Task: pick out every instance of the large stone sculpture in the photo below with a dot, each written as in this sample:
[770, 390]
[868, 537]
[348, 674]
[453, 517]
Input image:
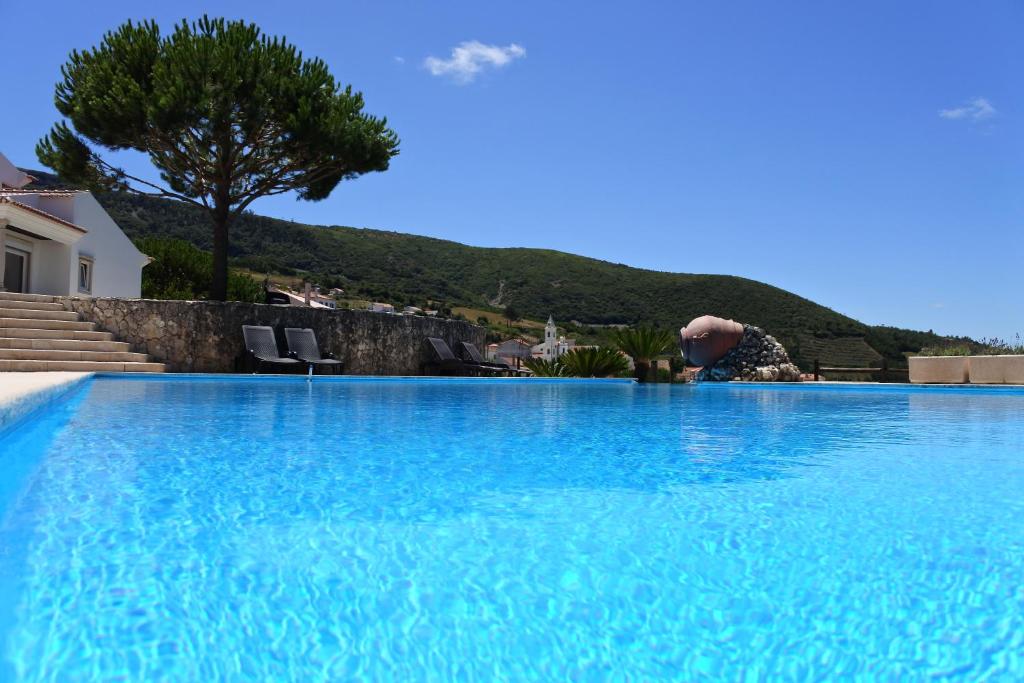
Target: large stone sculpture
[728, 351]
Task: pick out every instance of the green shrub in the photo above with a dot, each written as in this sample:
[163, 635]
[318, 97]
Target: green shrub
[594, 361]
[181, 271]
[947, 350]
[590, 361]
[985, 347]
[545, 368]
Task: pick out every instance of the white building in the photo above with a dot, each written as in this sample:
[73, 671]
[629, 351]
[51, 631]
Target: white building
[62, 242]
[321, 300]
[297, 299]
[553, 346]
[510, 351]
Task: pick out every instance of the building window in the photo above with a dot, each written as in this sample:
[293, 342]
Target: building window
[85, 275]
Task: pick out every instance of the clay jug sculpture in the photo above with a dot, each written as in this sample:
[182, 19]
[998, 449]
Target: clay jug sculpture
[707, 338]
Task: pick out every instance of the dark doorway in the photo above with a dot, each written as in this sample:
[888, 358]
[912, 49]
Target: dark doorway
[15, 269]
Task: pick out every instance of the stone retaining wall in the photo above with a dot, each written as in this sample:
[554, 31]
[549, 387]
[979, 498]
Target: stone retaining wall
[206, 336]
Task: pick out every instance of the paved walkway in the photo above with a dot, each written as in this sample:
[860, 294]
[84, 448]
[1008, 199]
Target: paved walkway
[23, 392]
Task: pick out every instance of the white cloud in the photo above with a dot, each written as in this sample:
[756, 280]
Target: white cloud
[399, 60]
[977, 109]
[468, 59]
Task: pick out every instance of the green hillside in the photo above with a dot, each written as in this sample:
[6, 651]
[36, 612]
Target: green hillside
[409, 269]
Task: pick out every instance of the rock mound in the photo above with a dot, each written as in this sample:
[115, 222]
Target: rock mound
[758, 357]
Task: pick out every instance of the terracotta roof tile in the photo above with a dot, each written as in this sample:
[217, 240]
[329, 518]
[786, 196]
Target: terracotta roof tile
[50, 192]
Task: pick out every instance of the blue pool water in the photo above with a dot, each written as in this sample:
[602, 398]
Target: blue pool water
[175, 530]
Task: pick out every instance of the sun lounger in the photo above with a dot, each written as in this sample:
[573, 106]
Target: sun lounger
[302, 343]
[471, 354]
[444, 361]
[261, 351]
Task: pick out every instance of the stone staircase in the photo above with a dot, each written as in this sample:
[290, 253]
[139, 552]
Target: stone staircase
[36, 334]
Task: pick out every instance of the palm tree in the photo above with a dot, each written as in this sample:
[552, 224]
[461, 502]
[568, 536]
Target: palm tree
[545, 368]
[593, 361]
[643, 344]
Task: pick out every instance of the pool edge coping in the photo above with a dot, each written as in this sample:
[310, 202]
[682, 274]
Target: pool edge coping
[208, 376]
[1007, 389]
[35, 391]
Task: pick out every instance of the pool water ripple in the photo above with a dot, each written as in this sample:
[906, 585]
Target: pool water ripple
[268, 530]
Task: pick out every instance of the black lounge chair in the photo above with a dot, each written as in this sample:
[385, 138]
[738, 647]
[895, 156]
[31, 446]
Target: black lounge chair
[261, 351]
[471, 354]
[444, 361]
[302, 344]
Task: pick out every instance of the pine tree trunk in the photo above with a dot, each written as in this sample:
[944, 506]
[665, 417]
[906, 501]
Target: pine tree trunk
[219, 286]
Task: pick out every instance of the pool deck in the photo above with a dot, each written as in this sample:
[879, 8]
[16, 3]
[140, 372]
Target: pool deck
[23, 392]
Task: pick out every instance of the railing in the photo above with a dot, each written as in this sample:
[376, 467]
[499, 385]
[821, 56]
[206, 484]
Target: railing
[885, 372]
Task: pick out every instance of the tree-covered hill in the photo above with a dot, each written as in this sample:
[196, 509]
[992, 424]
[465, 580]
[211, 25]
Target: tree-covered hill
[401, 268]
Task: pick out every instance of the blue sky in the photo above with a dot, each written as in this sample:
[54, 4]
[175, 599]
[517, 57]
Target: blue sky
[868, 155]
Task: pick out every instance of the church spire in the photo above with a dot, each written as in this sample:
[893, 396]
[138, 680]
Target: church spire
[550, 343]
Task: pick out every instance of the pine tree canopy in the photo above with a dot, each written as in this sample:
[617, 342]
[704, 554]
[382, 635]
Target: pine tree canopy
[225, 113]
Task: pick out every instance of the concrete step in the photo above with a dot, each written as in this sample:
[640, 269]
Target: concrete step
[37, 334]
[15, 296]
[25, 314]
[77, 366]
[34, 333]
[41, 354]
[38, 324]
[30, 305]
[63, 344]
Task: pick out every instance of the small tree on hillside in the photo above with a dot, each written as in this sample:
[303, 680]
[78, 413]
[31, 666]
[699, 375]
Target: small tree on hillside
[511, 314]
[225, 113]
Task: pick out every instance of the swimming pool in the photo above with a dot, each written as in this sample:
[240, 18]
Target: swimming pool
[274, 529]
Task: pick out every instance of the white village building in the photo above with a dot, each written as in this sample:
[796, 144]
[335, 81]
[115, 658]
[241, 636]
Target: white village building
[62, 242]
[511, 352]
[553, 346]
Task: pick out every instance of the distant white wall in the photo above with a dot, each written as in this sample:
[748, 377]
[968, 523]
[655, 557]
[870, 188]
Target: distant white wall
[117, 264]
